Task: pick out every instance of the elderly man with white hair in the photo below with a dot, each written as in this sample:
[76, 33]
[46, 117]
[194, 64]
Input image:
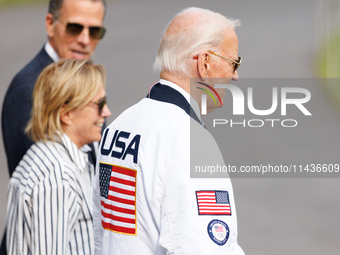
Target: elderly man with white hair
[144, 199]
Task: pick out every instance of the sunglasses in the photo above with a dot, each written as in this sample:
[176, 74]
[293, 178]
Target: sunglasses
[236, 64]
[75, 29]
[101, 103]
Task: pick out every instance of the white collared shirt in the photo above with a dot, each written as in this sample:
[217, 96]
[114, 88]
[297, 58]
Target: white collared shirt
[49, 208]
[51, 52]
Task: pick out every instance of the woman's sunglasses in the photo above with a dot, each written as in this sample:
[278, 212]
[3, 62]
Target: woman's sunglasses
[101, 103]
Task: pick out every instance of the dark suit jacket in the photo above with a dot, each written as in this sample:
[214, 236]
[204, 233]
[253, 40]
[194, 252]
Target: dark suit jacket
[16, 109]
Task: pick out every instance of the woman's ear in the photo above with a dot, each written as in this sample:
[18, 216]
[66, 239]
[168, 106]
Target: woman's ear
[203, 63]
[65, 116]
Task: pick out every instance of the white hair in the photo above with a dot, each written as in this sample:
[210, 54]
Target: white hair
[192, 30]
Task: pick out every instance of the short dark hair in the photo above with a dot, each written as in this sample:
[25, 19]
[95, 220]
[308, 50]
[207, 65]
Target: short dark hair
[55, 6]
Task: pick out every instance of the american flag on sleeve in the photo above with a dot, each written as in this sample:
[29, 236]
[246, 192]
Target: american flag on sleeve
[118, 198]
[211, 202]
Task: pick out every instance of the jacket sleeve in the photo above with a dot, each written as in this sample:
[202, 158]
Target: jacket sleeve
[14, 244]
[186, 228]
[16, 113]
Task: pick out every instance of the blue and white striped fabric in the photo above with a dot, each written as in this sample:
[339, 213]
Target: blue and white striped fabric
[49, 208]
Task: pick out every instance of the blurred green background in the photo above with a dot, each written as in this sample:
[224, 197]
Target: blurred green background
[328, 59]
[328, 66]
[327, 34]
[11, 3]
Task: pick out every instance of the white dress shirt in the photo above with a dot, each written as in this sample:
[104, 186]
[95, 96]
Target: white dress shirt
[49, 208]
[51, 52]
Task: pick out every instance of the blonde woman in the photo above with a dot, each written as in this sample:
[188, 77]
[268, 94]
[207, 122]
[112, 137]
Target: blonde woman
[49, 208]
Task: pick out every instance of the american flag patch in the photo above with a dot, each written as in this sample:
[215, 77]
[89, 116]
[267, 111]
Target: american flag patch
[211, 202]
[118, 198]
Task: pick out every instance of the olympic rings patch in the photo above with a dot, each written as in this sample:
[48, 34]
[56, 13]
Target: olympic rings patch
[218, 232]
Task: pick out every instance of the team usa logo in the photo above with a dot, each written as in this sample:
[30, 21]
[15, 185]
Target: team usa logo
[218, 232]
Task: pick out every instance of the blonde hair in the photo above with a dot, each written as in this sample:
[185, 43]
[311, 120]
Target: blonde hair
[62, 87]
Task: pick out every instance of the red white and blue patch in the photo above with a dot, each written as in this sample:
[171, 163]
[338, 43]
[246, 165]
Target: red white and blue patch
[218, 232]
[213, 202]
[118, 198]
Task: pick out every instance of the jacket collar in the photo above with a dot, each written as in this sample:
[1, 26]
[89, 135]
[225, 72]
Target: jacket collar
[167, 94]
[79, 157]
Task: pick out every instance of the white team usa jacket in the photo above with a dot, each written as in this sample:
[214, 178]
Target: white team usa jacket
[144, 199]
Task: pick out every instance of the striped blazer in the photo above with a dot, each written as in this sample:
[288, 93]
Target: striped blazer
[49, 208]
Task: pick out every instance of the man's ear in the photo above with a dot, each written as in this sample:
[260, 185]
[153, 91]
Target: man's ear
[203, 63]
[49, 23]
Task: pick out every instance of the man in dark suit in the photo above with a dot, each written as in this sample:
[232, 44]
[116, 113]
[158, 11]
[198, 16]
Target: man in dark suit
[74, 28]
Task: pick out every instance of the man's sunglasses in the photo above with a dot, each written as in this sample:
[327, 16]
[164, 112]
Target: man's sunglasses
[236, 64]
[101, 103]
[75, 29]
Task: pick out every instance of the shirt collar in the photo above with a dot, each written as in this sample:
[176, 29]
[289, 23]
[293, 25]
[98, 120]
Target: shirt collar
[193, 103]
[79, 157]
[51, 52]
